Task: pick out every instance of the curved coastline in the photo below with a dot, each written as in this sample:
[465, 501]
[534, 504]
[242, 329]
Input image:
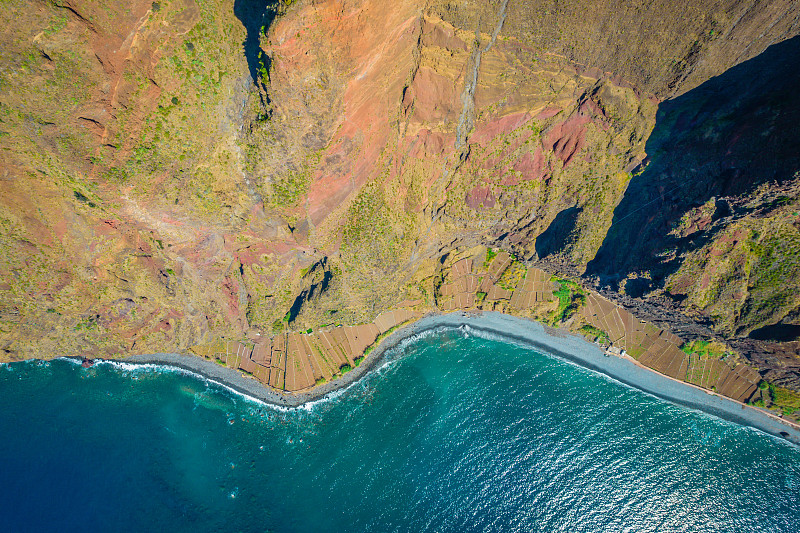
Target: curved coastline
[550, 341]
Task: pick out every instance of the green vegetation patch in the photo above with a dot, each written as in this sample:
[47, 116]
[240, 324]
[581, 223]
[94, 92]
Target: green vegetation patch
[512, 277]
[570, 298]
[287, 190]
[367, 217]
[88, 323]
[594, 332]
[490, 254]
[711, 349]
[374, 233]
[786, 400]
[83, 198]
[381, 337]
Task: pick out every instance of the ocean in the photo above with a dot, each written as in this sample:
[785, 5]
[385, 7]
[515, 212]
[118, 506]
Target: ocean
[453, 433]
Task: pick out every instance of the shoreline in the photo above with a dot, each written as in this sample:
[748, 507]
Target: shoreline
[550, 341]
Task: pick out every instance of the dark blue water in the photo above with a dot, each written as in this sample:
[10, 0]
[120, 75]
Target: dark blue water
[458, 434]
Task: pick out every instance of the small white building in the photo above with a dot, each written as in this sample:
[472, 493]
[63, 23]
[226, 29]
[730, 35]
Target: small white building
[613, 350]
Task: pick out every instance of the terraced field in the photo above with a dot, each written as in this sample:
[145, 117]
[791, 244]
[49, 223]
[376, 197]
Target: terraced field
[660, 350]
[298, 361]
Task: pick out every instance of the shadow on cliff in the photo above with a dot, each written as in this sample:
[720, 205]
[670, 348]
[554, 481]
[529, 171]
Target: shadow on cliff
[557, 236]
[723, 138]
[256, 16]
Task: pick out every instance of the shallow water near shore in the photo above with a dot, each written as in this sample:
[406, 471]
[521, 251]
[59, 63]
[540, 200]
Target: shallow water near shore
[457, 433]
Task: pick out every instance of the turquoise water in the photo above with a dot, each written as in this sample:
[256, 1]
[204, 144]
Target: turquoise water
[456, 434]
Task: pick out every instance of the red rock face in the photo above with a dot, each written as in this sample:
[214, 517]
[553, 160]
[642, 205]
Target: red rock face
[427, 145]
[433, 97]
[401, 102]
[402, 77]
[530, 166]
[480, 197]
[372, 43]
[486, 132]
[567, 138]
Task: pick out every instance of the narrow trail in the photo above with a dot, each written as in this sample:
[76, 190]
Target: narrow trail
[467, 117]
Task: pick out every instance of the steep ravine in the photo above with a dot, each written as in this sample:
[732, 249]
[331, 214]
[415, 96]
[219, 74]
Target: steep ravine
[466, 119]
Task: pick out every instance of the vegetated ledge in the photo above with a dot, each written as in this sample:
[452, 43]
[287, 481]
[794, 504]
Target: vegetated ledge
[507, 328]
[293, 368]
[482, 279]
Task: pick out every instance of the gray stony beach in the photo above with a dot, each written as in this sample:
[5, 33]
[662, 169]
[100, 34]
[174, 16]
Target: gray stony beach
[508, 328]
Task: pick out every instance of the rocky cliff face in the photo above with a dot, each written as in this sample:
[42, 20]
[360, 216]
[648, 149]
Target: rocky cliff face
[181, 170]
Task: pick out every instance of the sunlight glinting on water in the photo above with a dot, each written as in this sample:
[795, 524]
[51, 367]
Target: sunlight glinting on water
[453, 432]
